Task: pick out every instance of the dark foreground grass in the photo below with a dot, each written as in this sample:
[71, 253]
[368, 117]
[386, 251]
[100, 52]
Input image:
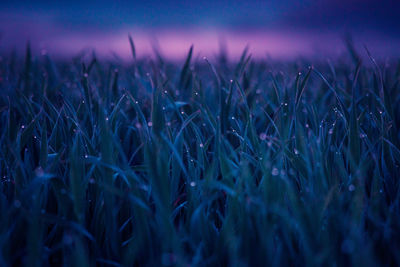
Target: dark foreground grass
[205, 163]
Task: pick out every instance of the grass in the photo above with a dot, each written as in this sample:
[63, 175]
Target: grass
[205, 163]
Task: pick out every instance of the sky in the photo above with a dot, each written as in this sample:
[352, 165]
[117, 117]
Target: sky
[285, 28]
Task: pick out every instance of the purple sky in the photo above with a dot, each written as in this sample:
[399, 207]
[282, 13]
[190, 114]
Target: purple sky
[280, 29]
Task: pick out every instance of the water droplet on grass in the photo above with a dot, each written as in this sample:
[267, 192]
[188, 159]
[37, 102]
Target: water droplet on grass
[275, 171]
[39, 172]
[17, 204]
[67, 239]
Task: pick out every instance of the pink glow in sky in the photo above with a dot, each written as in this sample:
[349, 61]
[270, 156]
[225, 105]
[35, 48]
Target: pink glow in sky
[277, 28]
[174, 43]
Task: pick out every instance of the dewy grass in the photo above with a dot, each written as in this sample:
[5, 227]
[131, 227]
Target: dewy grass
[207, 163]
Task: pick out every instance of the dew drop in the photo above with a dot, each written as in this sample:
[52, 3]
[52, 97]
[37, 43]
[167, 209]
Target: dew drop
[352, 188]
[17, 204]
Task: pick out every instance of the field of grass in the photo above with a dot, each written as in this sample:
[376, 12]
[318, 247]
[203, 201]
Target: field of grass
[200, 163]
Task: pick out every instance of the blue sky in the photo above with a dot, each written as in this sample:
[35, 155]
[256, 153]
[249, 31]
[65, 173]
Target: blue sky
[318, 14]
[39, 20]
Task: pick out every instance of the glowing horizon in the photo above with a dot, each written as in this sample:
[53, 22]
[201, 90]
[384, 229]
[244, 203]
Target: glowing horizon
[175, 43]
[280, 29]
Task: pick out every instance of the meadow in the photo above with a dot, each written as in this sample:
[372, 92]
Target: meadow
[205, 162]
